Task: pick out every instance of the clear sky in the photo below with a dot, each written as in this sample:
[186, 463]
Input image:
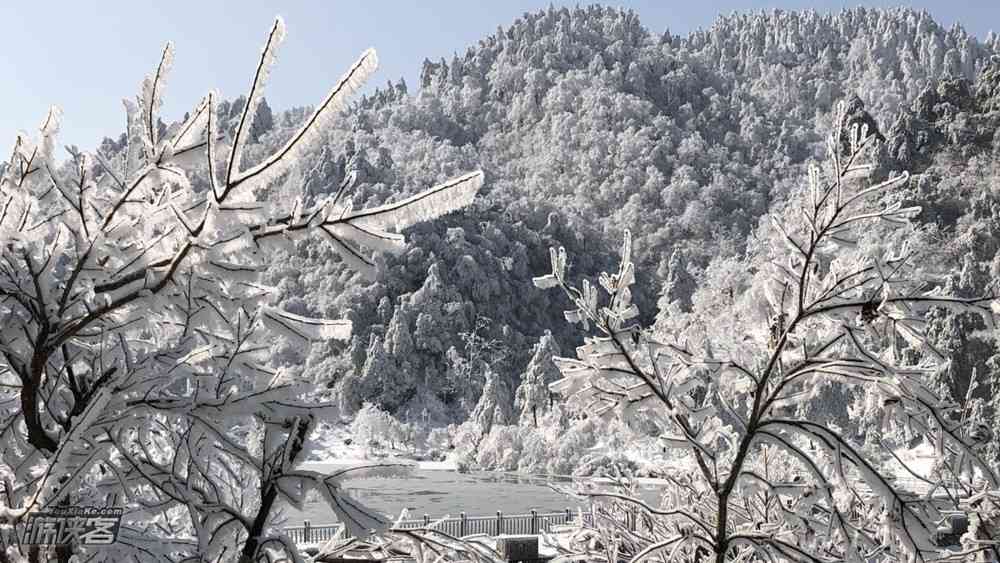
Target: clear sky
[86, 55]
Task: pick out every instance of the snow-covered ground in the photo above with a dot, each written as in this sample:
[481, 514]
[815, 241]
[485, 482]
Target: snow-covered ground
[335, 446]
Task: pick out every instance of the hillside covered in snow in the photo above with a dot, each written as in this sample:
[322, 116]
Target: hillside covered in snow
[586, 123]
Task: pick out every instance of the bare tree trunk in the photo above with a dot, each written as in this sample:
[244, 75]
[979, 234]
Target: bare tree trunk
[269, 493]
[259, 522]
[37, 436]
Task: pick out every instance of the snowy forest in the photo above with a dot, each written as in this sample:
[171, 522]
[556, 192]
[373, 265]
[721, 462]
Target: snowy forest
[587, 124]
[582, 247]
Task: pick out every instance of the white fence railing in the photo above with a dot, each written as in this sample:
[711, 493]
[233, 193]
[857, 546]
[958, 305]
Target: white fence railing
[531, 523]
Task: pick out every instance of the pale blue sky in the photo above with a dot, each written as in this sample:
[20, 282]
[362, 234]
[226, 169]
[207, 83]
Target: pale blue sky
[86, 55]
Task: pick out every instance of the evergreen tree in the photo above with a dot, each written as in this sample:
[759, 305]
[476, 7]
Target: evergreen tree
[495, 404]
[533, 394]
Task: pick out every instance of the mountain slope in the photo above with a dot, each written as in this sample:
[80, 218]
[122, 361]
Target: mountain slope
[586, 123]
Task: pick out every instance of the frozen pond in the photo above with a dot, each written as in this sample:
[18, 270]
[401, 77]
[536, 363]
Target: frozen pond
[440, 493]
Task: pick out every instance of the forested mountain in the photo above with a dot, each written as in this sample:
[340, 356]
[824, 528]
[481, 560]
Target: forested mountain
[587, 123]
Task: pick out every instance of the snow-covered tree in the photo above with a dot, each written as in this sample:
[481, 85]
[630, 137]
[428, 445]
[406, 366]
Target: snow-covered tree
[533, 393]
[835, 294]
[357, 387]
[134, 329]
[469, 371]
[372, 424]
[494, 406]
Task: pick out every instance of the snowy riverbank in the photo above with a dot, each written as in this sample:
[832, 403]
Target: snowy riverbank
[347, 462]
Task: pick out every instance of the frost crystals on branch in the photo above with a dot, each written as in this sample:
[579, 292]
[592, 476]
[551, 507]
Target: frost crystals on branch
[831, 286]
[134, 329]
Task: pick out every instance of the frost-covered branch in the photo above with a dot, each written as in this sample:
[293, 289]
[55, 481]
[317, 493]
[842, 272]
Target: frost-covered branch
[834, 300]
[130, 296]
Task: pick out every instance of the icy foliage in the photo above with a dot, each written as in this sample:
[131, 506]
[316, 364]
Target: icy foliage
[835, 280]
[135, 328]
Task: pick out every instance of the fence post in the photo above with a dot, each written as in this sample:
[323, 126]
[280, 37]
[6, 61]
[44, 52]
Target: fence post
[569, 516]
[427, 520]
[305, 532]
[534, 522]
[461, 525]
[499, 522]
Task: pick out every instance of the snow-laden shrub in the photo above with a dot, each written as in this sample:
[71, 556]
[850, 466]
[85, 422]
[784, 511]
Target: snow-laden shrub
[613, 464]
[439, 439]
[572, 445]
[500, 450]
[377, 428]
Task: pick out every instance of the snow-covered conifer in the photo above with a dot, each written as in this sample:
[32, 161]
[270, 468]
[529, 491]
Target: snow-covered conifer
[533, 395]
